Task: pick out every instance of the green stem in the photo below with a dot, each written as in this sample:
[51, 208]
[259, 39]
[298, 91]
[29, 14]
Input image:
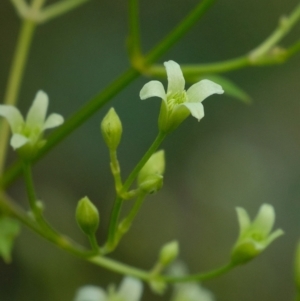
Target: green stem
[200, 276]
[94, 243]
[115, 170]
[285, 25]
[110, 245]
[127, 221]
[30, 190]
[58, 9]
[14, 81]
[134, 30]
[36, 5]
[179, 31]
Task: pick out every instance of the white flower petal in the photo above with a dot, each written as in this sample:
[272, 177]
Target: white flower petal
[131, 289]
[53, 121]
[37, 112]
[153, 89]
[201, 90]
[13, 117]
[90, 293]
[264, 220]
[273, 236]
[18, 140]
[244, 219]
[196, 109]
[176, 80]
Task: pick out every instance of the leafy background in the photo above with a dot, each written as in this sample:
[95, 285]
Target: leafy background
[238, 155]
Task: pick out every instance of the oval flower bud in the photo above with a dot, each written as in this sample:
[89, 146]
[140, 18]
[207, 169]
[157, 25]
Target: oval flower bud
[87, 216]
[154, 166]
[168, 253]
[111, 128]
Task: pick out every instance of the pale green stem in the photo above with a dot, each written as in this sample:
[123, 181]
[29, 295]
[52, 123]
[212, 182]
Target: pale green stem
[115, 170]
[285, 25]
[94, 243]
[134, 30]
[36, 5]
[58, 9]
[126, 223]
[14, 81]
[110, 244]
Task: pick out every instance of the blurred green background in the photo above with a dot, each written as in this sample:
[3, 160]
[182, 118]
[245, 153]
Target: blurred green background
[238, 155]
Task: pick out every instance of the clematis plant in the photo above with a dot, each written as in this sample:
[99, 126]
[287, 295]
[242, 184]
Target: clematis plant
[130, 290]
[178, 103]
[254, 236]
[27, 135]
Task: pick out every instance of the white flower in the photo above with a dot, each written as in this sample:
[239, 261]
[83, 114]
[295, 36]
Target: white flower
[30, 132]
[130, 290]
[254, 236]
[177, 103]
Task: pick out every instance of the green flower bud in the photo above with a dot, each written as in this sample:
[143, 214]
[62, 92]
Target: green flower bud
[111, 128]
[154, 166]
[87, 216]
[168, 253]
[152, 184]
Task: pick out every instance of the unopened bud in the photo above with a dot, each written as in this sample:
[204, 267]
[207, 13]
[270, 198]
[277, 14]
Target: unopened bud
[168, 253]
[154, 166]
[87, 216]
[152, 184]
[111, 128]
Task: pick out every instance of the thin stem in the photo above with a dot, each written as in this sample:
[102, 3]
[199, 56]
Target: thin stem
[118, 202]
[14, 81]
[179, 31]
[58, 9]
[37, 4]
[94, 243]
[125, 225]
[30, 190]
[285, 25]
[134, 29]
[200, 276]
[115, 170]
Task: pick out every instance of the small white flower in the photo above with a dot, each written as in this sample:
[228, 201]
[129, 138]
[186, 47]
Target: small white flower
[177, 103]
[30, 132]
[130, 289]
[254, 236]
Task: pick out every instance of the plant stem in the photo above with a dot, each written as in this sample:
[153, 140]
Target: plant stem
[30, 189]
[94, 243]
[285, 25]
[14, 81]
[201, 276]
[127, 221]
[115, 170]
[58, 9]
[111, 243]
[134, 30]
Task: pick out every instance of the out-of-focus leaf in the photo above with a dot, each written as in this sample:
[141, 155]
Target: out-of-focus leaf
[229, 87]
[9, 229]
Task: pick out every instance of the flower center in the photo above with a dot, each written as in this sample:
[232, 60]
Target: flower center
[176, 98]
